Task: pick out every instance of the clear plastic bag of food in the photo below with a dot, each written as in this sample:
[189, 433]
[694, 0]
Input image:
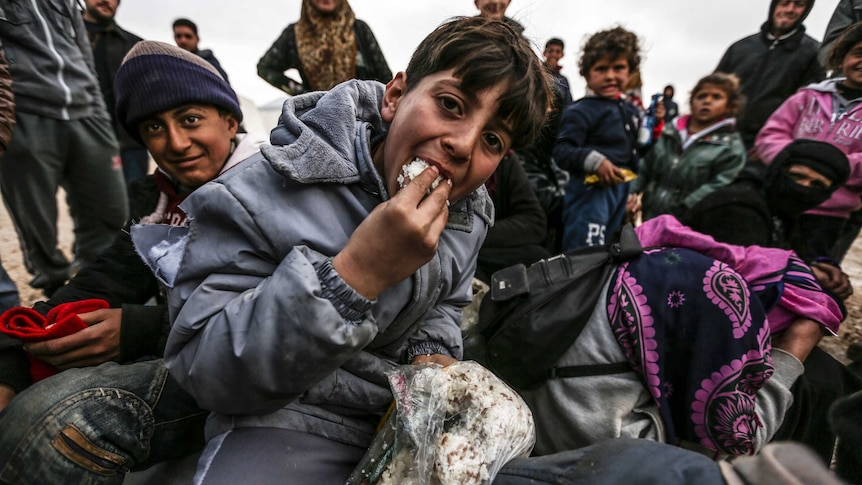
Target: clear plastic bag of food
[455, 425]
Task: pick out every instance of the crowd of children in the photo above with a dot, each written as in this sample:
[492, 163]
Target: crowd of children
[290, 277]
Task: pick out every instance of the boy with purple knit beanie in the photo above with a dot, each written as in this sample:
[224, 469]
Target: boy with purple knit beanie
[113, 407]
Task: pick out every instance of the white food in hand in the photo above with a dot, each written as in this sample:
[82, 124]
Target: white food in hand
[412, 170]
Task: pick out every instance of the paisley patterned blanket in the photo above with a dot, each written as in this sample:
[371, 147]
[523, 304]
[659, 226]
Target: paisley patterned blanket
[693, 329]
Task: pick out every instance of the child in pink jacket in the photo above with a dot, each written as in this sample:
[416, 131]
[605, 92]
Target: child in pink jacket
[829, 111]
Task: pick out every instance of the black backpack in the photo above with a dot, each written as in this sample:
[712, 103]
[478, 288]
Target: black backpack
[533, 315]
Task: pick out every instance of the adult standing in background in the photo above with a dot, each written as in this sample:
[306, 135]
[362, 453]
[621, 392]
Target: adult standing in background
[554, 51]
[63, 136]
[328, 46]
[846, 13]
[110, 44]
[772, 64]
[186, 37]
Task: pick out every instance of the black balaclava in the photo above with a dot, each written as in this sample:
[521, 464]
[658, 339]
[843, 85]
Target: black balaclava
[786, 198]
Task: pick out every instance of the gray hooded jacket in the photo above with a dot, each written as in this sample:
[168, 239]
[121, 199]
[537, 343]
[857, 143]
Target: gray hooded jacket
[265, 332]
[50, 59]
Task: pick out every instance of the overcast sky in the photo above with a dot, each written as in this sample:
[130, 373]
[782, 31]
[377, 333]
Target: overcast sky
[683, 39]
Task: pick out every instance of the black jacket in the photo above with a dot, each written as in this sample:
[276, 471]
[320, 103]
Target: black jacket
[518, 217]
[736, 214]
[207, 55]
[121, 278]
[110, 46]
[770, 70]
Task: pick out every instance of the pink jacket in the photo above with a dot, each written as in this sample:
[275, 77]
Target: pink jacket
[808, 114]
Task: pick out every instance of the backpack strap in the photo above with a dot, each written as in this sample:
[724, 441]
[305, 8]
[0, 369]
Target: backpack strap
[589, 370]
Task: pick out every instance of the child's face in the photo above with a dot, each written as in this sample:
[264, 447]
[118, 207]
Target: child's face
[607, 77]
[553, 54]
[709, 104]
[190, 143]
[851, 67]
[458, 132]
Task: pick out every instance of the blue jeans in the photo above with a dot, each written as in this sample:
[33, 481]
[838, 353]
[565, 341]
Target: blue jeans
[92, 425]
[629, 461]
[8, 291]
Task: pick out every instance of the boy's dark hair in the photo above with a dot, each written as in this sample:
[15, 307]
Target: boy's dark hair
[614, 43]
[842, 46]
[484, 53]
[728, 83]
[555, 41]
[186, 23]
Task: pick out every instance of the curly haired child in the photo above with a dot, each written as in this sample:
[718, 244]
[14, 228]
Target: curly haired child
[598, 136]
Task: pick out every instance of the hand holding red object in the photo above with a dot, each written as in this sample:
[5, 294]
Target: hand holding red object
[29, 325]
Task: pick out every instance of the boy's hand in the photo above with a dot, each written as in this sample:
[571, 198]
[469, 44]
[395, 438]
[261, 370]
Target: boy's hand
[397, 238]
[94, 345]
[6, 395]
[633, 206]
[609, 173]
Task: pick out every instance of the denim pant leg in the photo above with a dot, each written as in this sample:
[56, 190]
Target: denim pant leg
[8, 291]
[92, 425]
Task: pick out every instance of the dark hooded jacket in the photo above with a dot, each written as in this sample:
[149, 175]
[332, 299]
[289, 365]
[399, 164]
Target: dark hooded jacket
[763, 205]
[770, 69]
[110, 45]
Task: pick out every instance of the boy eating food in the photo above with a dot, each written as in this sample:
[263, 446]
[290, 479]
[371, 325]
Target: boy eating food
[307, 272]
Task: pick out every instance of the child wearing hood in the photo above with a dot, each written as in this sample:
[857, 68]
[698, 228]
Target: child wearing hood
[311, 269]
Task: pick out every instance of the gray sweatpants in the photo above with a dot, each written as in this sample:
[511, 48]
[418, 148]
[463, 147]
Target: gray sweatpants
[272, 456]
[82, 157]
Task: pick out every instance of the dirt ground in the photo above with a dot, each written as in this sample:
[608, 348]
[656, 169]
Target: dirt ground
[10, 252]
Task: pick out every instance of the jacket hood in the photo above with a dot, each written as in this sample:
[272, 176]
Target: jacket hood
[314, 127]
[767, 27]
[825, 86]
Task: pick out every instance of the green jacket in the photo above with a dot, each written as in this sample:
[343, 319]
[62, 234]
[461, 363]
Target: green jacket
[676, 174]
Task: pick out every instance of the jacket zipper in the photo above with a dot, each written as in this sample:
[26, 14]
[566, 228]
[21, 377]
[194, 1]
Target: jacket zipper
[61, 63]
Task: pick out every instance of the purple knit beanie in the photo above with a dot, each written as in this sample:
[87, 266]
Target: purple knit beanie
[156, 76]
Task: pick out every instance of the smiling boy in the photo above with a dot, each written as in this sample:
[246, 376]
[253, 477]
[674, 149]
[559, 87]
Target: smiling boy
[308, 272]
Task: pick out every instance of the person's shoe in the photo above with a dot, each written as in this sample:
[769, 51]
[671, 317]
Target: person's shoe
[49, 284]
[52, 288]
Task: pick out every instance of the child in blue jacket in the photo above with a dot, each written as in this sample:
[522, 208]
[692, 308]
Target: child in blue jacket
[598, 136]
